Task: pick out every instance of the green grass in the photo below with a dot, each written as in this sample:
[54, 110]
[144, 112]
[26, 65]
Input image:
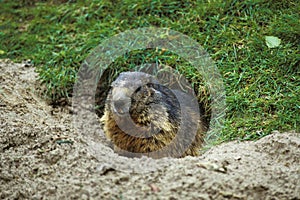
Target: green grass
[262, 84]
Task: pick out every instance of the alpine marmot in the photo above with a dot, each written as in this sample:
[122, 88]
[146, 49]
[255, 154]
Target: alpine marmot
[143, 117]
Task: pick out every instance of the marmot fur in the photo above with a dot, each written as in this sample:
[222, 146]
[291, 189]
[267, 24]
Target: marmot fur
[143, 117]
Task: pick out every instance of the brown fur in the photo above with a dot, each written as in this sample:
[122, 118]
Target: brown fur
[152, 115]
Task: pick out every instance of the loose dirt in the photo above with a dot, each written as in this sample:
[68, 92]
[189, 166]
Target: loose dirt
[44, 157]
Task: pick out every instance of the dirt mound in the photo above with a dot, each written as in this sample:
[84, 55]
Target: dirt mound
[44, 157]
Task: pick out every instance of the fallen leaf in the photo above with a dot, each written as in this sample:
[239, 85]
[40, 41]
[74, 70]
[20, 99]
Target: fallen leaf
[272, 41]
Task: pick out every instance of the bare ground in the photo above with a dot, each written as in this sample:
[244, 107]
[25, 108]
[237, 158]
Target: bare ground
[44, 157]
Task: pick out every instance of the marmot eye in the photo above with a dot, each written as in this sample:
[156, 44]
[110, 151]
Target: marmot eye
[142, 92]
[145, 92]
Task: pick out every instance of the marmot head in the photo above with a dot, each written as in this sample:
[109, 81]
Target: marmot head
[124, 88]
[140, 96]
[144, 116]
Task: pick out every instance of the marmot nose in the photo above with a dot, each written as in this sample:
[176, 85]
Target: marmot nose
[121, 106]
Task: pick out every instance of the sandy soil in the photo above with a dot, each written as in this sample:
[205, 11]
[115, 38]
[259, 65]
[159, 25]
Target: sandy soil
[44, 157]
